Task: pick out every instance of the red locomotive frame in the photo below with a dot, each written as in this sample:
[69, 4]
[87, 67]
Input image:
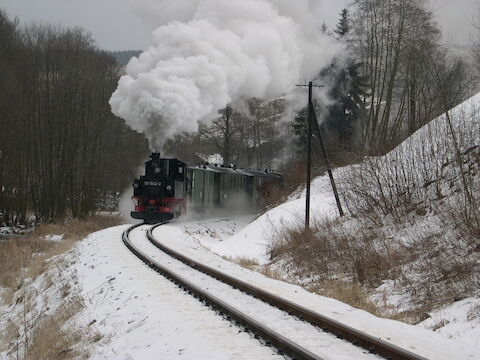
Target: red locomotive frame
[160, 205]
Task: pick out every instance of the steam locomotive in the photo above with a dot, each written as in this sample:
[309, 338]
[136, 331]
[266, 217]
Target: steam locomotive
[169, 184]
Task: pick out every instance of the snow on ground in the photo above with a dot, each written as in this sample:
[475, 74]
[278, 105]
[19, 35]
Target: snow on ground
[147, 316]
[325, 345]
[54, 238]
[144, 316]
[460, 320]
[215, 231]
[253, 241]
[419, 340]
[5, 230]
[141, 315]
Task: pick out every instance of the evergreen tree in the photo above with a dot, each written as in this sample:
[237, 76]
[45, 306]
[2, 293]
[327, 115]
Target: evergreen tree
[300, 130]
[343, 26]
[346, 89]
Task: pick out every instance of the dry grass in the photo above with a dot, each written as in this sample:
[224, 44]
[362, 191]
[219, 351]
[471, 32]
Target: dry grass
[252, 264]
[333, 249]
[348, 259]
[267, 271]
[349, 293]
[329, 252]
[54, 338]
[447, 264]
[245, 262]
[31, 252]
[45, 333]
[6, 296]
[359, 297]
[39, 328]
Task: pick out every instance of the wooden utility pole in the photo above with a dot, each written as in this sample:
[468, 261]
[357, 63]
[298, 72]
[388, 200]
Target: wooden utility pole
[312, 118]
[309, 157]
[327, 160]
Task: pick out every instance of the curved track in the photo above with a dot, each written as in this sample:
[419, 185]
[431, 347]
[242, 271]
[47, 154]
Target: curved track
[271, 337]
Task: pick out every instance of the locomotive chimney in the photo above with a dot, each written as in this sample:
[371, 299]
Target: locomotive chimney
[155, 156]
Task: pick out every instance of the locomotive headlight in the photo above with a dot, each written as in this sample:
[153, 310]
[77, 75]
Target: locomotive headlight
[157, 170]
[135, 185]
[169, 187]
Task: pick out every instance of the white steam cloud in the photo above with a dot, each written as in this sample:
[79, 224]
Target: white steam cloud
[209, 53]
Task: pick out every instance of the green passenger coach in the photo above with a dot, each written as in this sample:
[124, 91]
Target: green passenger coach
[213, 186]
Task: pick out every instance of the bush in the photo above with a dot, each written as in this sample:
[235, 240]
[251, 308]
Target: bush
[333, 250]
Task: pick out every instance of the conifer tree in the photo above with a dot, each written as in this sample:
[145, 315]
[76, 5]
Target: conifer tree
[300, 130]
[346, 90]
[343, 26]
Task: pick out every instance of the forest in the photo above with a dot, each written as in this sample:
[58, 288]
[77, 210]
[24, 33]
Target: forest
[63, 153]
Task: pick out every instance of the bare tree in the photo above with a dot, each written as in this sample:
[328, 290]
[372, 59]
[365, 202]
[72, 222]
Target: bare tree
[248, 135]
[264, 140]
[393, 41]
[222, 134]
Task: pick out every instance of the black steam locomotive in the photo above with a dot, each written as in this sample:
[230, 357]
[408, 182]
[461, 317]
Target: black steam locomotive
[162, 193]
[159, 195]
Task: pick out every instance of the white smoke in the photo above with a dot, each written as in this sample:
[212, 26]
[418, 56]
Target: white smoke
[209, 53]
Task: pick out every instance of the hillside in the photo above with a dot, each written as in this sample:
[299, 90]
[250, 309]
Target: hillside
[409, 247]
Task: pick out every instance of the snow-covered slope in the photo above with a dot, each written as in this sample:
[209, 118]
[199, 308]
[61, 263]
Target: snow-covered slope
[254, 240]
[425, 169]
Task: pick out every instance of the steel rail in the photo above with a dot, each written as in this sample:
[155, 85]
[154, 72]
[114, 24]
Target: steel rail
[271, 337]
[372, 344]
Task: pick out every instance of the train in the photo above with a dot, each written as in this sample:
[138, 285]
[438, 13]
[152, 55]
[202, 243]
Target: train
[170, 187]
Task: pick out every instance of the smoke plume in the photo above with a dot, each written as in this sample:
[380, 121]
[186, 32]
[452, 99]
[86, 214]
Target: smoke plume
[209, 53]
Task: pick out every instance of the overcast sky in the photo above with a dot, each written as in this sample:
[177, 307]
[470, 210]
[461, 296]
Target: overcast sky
[116, 27]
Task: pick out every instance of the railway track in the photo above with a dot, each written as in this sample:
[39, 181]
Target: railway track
[270, 337]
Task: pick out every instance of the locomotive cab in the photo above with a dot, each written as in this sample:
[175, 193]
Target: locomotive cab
[159, 195]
